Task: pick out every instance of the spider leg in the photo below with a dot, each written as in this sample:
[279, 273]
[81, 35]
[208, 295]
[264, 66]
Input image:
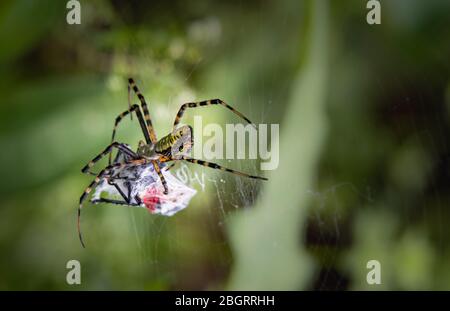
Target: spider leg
[217, 166]
[122, 177]
[124, 196]
[138, 200]
[108, 150]
[93, 184]
[127, 199]
[138, 112]
[148, 121]
[129, 101]
[207, 103]
[161, 176]
[170, 166]
[117, 202]
[96, 181]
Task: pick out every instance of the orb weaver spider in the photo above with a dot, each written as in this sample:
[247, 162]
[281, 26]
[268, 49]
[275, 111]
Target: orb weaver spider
[172, 147]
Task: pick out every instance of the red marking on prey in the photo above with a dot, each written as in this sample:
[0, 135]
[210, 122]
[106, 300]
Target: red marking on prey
[151, 199]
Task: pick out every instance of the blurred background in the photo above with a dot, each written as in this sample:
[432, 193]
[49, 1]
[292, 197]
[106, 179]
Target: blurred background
[364, 165]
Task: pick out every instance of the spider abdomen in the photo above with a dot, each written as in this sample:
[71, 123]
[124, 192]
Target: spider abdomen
[165, 144]
[177, 142]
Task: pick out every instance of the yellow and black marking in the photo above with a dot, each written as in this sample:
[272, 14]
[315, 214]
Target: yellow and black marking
[119, 118]
[161, 176]
[148, 121]
[207, 103]
[218, 167]
[165, 144]
[171, 166]
[136, 109]
[108, 150]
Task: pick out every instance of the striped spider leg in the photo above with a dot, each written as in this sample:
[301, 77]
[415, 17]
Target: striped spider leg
[216, 166]
[210, 102]
[207, 103]
[124, 154]
[105, 173]
[108, 150]
[146, 126]
[148, 121]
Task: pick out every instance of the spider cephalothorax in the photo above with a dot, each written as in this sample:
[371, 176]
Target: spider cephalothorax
[172, 147]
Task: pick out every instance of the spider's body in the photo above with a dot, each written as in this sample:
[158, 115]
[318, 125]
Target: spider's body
[176, 143]
[172, 147]
[168, 147]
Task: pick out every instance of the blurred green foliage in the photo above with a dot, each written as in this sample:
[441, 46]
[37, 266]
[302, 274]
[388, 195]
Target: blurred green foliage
[266, 238]
[364, 118]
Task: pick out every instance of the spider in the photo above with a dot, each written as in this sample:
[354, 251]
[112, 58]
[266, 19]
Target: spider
[172, 147]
